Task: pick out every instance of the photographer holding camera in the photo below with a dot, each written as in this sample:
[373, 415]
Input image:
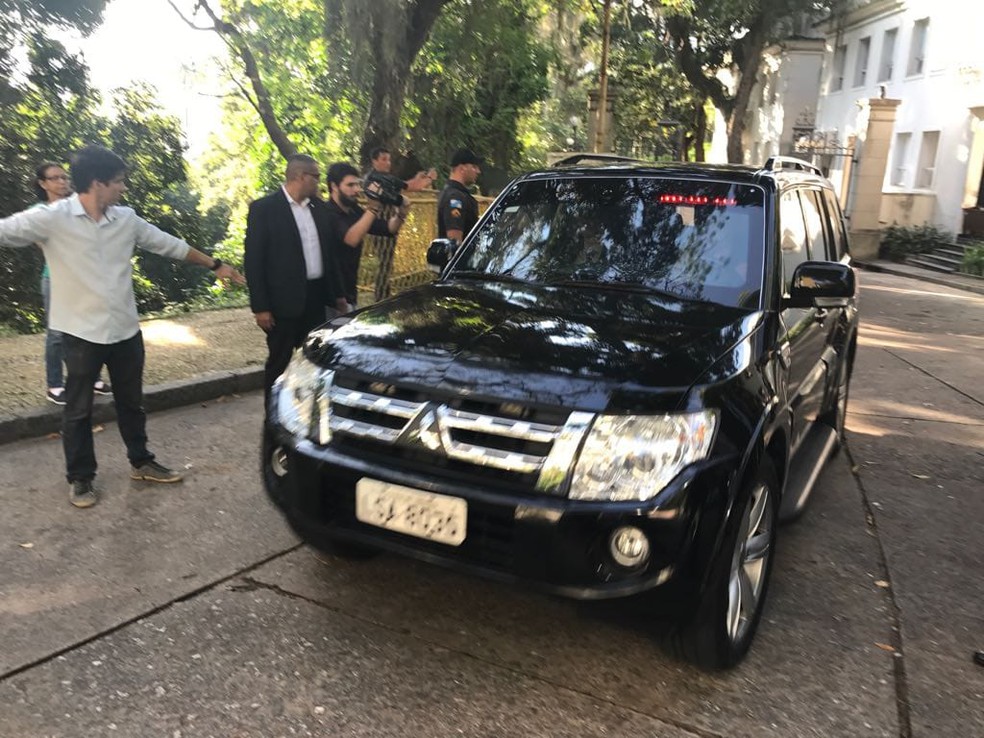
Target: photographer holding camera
[380, 175]
[349, 223]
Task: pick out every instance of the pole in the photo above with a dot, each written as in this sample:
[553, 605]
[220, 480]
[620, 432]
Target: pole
[599, 143]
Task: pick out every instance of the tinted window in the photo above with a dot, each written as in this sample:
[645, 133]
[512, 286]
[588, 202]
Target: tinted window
[696, 240]
[814, 215]
[838, 239]
[793, 236]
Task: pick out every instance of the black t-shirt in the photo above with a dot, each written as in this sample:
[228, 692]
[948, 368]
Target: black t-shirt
[456, 210]
[345, 258]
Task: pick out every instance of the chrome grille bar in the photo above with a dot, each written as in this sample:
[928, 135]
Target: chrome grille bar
[416, 420]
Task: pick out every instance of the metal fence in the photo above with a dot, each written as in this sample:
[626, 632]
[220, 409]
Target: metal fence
[390, 265]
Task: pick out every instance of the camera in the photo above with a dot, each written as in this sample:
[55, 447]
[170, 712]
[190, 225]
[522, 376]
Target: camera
[384, 188]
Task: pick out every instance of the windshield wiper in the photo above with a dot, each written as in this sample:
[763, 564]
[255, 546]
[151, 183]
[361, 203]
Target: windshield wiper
[612, 286]
[487, 277]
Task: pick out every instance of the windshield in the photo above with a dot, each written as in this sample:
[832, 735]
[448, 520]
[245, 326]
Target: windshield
[692, 239]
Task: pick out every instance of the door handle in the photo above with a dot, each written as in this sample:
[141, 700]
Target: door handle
[785, 355]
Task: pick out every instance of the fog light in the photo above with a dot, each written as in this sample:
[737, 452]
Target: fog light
[629, 547]
[278, 461]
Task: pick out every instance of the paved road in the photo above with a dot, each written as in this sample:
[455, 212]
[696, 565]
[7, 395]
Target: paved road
[192, 611]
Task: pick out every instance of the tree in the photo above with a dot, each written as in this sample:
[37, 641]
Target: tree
[397, 29]
[383, 36]
[482, 67]
[713, 35]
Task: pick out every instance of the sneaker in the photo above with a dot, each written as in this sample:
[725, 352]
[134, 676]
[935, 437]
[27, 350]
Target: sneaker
[102, 388]
[56, 395]
[83, 493]
[151, 471]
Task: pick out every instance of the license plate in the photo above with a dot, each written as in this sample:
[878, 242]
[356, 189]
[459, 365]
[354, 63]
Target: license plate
[411, 511]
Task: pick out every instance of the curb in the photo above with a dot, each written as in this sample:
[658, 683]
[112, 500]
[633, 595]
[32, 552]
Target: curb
[44, 420]
[923, 275]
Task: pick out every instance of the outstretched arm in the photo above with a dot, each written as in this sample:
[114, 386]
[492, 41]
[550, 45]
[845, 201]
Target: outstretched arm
[223, 271]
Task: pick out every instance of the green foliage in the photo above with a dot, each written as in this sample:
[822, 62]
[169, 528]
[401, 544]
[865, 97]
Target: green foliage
[482, 67]
[898, 242]
[53, 111]
[973, 259]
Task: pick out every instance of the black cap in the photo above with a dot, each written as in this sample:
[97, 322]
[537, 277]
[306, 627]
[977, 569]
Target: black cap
[465, 156]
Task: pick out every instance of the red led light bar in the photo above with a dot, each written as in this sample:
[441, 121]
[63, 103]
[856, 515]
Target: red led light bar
[696, 200]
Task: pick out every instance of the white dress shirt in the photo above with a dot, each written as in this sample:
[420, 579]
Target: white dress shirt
[309, 234]
[90, 264]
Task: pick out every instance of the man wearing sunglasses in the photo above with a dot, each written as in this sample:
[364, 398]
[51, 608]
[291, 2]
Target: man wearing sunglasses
[288, 267]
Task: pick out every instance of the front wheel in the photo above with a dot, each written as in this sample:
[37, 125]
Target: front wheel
[721, 630]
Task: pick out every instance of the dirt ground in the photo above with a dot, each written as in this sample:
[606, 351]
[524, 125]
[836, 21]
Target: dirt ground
[177, 348]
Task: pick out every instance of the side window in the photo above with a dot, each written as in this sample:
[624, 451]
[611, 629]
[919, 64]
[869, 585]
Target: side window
[793, 236]
[838, 239]
[815, 232]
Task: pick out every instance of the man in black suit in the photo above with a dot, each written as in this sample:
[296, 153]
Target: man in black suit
[288, 266]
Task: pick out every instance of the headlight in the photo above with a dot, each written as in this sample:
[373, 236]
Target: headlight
[299, 386]
[633, 457]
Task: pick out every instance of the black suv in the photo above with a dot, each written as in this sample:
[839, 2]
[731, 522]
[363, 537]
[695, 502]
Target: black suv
[624, 378]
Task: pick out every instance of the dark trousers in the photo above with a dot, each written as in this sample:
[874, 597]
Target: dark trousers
[289, 333]
[84, 360]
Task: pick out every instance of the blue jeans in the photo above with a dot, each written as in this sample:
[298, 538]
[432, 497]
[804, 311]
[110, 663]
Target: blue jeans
[53, 354]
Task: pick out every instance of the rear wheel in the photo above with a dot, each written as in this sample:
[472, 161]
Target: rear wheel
[721, 630]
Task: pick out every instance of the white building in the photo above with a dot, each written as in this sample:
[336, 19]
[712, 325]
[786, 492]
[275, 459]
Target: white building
[784, 101]
[929, 55]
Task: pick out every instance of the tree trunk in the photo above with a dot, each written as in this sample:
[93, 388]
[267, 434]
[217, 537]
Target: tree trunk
[399, 30]
[700, 131]
[752, 47]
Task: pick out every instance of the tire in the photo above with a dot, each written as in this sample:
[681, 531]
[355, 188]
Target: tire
[720, 631]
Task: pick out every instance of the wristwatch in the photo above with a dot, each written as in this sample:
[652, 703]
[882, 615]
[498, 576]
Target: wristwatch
[216, 264]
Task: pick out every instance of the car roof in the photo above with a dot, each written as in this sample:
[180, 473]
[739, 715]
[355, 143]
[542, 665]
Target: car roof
[777, 171]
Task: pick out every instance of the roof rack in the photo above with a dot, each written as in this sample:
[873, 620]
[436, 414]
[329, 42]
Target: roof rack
[778, 163]
[569, 161]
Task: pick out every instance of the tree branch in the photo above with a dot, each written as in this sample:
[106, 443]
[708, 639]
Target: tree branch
[264, 107]
[188, 21]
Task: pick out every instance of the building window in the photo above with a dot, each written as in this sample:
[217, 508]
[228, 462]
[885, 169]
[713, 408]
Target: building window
[887, 64]
[927, 159]
[861, 63]
[900, 154]
[837, 71]
[917, 47]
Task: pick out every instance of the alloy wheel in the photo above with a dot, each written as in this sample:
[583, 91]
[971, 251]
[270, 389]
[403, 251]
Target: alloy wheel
[749, 563]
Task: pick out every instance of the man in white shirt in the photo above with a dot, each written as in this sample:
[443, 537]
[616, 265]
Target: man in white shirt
[88, 242]
[288, 269]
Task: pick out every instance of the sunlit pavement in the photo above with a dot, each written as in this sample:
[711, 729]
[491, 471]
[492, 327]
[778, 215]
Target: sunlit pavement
[190, 610]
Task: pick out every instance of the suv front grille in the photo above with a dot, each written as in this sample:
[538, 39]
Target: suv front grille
[453, 430]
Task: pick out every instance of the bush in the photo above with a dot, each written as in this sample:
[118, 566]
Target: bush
[973, 259]
[898, 242]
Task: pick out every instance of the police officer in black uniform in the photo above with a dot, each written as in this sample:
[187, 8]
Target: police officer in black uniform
[457, 210]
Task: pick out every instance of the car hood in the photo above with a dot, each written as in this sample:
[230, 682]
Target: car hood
[558, 346]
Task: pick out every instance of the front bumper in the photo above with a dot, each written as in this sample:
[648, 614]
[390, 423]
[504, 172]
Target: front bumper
[549, 543]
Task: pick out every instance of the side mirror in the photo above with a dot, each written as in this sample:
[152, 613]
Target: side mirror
[821, 284]
[439, 253]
